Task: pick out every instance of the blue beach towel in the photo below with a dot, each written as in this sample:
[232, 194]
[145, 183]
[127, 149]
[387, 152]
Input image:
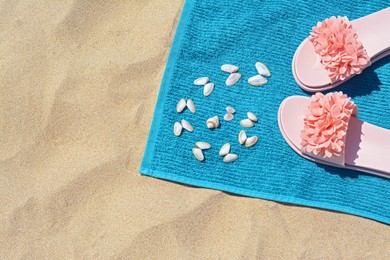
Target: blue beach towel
[214, 32]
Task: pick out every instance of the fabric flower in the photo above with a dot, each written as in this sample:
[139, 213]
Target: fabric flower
[326, 123]
[335, 40]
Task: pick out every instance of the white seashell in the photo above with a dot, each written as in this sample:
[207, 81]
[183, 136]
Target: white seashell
[251, 141]
[233, 78]
[242, 137]
[191, 105]
[201, 81]
[262, 69]
[208, 88]
[198, 154]
[212, 122]
[225, 149]
[228, 117]
[230, 110]
[229, 68]
[252, 116]
[186, 125]
[203, 145]
[257, 80]
[230, 157]
[177, 129]
[181, 105]
[246, 123]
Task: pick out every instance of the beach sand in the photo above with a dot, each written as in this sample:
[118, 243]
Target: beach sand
[79, 81]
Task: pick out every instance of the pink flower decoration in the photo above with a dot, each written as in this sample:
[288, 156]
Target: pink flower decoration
[341, 53]
[326, 123]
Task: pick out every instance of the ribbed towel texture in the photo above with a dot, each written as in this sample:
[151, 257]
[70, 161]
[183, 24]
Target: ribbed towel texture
[214, 32]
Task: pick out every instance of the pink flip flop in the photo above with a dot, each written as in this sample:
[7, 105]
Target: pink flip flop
[338, 49]
[324, 129]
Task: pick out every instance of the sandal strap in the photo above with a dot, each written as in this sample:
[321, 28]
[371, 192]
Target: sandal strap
[342, 54]
[325, 126]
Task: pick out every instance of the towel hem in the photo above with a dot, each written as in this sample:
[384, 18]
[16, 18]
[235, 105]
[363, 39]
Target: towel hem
[262, 195]
[164, 87]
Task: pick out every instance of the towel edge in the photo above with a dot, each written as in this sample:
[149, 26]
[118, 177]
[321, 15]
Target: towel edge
[262, 195]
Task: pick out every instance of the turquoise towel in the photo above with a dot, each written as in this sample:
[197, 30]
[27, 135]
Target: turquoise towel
[211, 33]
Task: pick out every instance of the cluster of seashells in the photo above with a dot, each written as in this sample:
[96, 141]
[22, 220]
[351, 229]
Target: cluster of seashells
[214, 121]
[208, 87]
[250, 121]
[184, 124]
[198, 150]
[234, 74]
[257, 80]
[261, 78]
[244, 140]
[234, 77]
[182, 104]
[230, 114]
[225, 153]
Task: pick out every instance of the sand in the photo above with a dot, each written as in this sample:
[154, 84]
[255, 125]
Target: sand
[79, 81]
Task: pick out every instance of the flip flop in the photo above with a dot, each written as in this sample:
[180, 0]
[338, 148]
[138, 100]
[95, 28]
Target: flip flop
[338, 49]
[324, 129]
